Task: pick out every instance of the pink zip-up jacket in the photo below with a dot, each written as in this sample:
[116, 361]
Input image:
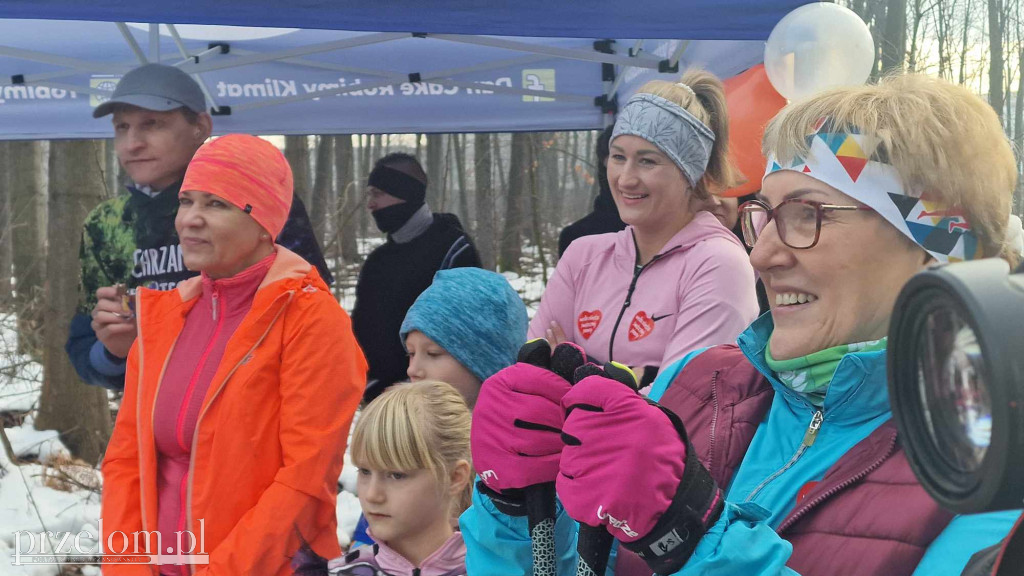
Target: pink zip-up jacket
[448, 560]
[697, 292]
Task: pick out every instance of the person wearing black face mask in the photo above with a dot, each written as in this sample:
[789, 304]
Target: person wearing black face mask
[419, 244]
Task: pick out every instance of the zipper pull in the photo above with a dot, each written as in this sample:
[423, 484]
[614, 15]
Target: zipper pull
[215, 295]
[812, 431]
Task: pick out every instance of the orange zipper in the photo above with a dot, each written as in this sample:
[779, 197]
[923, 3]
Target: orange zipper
[195, 433]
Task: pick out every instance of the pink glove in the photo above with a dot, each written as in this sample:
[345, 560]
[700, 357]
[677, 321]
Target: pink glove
[627, 466]
[517, 422]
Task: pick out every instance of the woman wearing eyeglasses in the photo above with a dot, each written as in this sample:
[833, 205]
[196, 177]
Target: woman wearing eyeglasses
[865, 186]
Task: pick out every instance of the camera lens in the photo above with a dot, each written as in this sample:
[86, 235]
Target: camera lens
[956, 405]
[956, 382]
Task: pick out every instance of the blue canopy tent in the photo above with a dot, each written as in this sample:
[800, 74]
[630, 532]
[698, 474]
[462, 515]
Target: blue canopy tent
[347, 67]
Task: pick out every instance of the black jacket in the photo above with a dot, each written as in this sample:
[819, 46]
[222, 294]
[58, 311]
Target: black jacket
[392, 277]
[604, 219]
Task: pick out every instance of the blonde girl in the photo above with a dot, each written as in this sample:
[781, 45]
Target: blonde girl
[411, 446]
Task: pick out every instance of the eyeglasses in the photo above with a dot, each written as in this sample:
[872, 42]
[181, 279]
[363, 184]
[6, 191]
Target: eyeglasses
[798, 221]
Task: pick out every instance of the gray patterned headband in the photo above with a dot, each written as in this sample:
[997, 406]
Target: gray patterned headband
[680, 135]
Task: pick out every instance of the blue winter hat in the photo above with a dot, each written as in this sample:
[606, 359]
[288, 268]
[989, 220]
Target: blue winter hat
[473, 314]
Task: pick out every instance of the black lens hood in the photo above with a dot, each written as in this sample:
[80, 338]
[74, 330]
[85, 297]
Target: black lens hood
[991, 302]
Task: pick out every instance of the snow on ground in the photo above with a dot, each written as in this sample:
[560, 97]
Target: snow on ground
[31, 498]
[20, 377]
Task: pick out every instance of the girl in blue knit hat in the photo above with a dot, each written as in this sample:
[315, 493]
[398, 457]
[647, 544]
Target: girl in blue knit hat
[466, 326]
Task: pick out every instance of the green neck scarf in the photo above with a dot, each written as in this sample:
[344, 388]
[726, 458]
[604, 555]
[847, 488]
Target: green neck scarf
[810, 375]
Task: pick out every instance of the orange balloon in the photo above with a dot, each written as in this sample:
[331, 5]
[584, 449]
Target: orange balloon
[752, 102]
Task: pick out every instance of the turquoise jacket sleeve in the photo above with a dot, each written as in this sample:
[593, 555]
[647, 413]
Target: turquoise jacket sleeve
[499, 545]
[741, 542]
[667, 375]
[965, 535]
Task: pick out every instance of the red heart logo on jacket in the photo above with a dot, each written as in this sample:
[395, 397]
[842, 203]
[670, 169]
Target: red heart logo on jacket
[641, 326]
[587, 323]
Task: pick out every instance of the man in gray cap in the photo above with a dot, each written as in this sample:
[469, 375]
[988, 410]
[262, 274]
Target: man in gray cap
[160, 120]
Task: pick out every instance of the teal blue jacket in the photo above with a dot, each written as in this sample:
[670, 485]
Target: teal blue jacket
[763, 489]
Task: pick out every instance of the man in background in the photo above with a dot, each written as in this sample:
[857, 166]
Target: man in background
[160, 120]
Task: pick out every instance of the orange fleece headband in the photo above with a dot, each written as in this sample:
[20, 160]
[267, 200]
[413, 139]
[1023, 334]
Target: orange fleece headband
[247, 171]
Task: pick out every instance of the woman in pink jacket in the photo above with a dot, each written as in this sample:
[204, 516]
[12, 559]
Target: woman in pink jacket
[675, 279]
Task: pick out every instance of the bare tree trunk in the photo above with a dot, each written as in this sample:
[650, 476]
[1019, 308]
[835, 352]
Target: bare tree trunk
[943, 26]
[894, 44]
[296, 150]
[364, 174]
[484, 199]
[995, 70]
[112, 170]
[511, 238]
[1018, 123]
[459, 144]
[591, 186]
[550, 188]
[435, 172]
[533, 150]
[875, 17]
[377, 141]
[349, 198]
[27, 243]
[321, 186]
[79, 412]
[574, 173]
[915, 28]
[6, 254]
[964, 48]
[499, 163]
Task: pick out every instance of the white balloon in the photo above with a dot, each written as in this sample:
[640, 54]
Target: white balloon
[818, 46]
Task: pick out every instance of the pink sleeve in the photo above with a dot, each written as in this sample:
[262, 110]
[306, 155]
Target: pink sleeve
[717, 301]
[557, 302]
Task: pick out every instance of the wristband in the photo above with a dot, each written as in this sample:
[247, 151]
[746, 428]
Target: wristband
[696, 506]
[511, 502]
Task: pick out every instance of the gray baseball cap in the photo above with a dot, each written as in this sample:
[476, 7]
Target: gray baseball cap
[155, 87]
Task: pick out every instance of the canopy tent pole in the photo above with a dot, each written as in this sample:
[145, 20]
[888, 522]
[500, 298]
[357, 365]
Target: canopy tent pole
[364, 40]
[674, 60]
[568, 53]
[60, 86]
[154, 42]
[637, 46]
[520, 61]
[184, 54]
[132, 43]
[66, 61]
[218, 48]
[36, 78]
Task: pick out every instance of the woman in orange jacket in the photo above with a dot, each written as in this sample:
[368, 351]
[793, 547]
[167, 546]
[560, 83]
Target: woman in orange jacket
[240, 388]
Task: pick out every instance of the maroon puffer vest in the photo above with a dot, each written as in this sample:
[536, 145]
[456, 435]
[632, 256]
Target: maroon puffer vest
[868, 515]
